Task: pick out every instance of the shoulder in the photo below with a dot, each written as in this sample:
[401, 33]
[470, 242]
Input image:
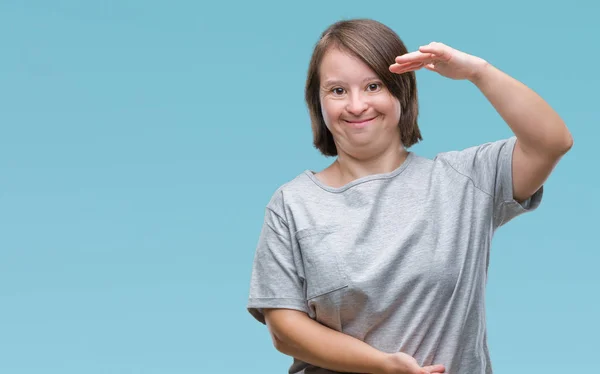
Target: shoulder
[289, 191]
[482, 163]
[488, 151]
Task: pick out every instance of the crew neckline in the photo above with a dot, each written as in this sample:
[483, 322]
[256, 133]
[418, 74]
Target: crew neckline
[367, 178]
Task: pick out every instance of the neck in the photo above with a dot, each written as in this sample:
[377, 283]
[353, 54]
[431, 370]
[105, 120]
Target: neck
[350, 168]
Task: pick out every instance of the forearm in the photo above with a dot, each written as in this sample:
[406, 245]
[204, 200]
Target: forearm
[321, 346]
[536, 125]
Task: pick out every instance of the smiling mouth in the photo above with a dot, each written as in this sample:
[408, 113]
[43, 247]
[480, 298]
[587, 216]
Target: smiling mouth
[361, 123]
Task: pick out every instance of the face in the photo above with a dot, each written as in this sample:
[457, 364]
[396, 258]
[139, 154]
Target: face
[360, 112]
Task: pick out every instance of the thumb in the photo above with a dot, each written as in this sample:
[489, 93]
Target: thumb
[429, 67]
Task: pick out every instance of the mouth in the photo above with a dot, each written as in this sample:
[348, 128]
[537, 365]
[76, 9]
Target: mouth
[360, 123]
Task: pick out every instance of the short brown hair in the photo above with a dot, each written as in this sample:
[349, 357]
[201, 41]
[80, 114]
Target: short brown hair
[377, 46]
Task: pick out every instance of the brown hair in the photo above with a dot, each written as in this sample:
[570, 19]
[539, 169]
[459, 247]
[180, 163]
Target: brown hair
[377, 46]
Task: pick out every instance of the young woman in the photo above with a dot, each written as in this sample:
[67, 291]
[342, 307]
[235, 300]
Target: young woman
[378, 263]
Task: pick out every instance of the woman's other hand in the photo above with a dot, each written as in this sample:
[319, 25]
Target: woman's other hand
[401, 363]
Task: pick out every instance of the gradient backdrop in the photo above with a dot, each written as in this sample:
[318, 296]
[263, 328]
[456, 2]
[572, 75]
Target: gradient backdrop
[141, 140]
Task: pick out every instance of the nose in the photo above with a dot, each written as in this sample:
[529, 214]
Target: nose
[356, 104]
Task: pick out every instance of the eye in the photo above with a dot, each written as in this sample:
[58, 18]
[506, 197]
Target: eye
[374, 87]
[338, 91]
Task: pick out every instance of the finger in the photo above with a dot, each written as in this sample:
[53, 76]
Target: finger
[404, 64]
[435, 368]
[407, 65]
[438, 49]
[413, 57]
[430, 61]
[400, 69]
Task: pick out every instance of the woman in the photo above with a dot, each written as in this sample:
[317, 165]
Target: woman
[378, 263]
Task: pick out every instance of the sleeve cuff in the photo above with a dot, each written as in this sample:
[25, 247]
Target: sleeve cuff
[510, 208]
[256, 305]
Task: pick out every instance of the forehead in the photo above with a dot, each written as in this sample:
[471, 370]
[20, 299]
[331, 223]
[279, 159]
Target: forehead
[341, 65]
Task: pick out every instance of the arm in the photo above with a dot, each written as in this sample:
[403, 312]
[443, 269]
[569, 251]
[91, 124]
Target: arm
[297, 335]
[542, 136]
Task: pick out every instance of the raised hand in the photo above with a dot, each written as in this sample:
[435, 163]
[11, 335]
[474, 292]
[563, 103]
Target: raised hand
[442, 59]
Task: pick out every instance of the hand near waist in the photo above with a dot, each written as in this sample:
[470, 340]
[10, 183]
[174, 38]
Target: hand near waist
[401, 363]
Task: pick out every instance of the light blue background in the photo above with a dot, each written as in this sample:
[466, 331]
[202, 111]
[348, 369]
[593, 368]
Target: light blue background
[140, 142]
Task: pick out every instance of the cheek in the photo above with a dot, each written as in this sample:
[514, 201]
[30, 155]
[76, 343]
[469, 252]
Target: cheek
[392, 108]
[330, 110]
[397, 110]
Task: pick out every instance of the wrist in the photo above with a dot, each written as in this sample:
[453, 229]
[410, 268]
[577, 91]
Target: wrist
[385, 365]
[480, 72]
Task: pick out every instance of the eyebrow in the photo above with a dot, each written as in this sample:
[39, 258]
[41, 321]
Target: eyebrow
[332, 82]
